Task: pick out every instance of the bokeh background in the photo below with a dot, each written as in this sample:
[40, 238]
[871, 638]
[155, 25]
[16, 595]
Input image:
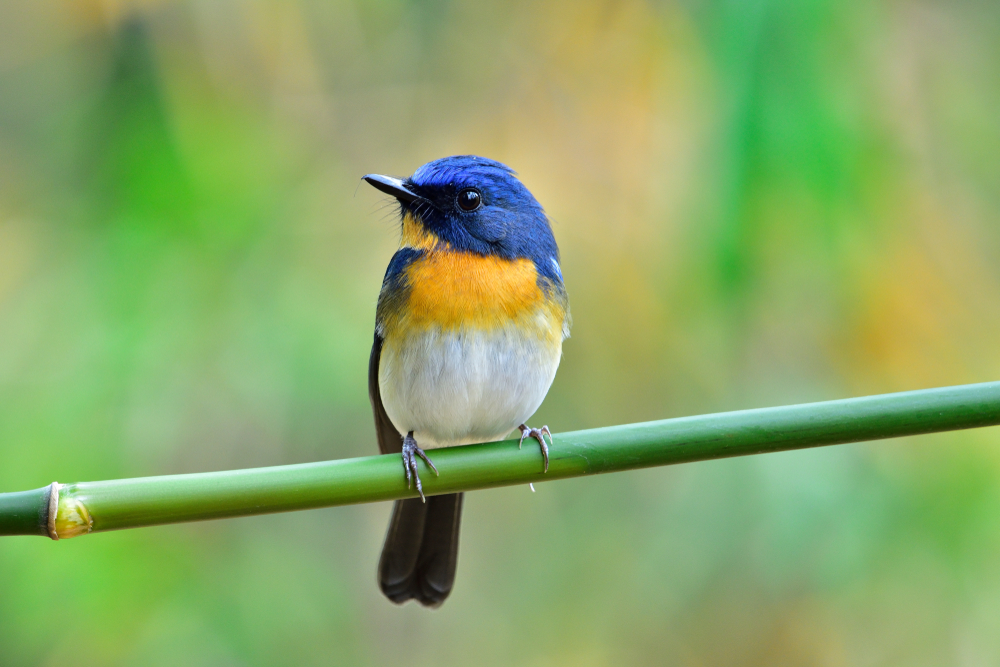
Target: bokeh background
[758, 203]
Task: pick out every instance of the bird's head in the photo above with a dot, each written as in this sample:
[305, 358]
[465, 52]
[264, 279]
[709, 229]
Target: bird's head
[477, 205]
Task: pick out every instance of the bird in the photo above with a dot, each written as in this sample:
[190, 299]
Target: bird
[469, 328]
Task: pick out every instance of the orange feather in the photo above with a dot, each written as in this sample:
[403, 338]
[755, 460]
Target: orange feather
[452, 290]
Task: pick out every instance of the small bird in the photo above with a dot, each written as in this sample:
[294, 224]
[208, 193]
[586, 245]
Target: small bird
[468, 336]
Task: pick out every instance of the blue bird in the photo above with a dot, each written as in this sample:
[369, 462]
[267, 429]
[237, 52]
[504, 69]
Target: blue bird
[468, 336]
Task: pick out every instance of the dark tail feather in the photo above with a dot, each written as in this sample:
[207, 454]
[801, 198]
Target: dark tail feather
[421, 550]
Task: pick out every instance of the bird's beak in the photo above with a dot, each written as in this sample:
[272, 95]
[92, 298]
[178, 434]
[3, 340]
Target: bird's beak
[392, 186]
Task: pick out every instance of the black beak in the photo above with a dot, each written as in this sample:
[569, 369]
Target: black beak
[392, 186]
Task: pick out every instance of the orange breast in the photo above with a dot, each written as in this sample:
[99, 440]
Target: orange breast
[455, 289]
[449, 290]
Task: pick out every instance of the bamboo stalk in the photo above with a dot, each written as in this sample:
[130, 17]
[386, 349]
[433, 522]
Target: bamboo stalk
[130, 503]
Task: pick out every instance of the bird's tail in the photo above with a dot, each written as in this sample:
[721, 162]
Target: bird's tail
[421, 550]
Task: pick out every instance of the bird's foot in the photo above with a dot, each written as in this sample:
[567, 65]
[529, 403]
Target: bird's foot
[410, 453]
[539, 435]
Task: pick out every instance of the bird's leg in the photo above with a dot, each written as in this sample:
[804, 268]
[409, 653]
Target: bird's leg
[410, 462]
[538, 434]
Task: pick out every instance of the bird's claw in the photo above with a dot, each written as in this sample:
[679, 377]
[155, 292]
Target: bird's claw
[410, 463]
[539, 435]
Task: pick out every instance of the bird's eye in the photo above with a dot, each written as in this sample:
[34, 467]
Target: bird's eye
[469, 199]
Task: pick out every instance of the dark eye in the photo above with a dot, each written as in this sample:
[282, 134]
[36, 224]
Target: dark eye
[469, 199]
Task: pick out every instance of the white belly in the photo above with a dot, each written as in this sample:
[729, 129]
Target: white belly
[463, 387]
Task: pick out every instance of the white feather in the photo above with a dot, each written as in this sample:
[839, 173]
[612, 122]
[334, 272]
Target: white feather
[466, 386]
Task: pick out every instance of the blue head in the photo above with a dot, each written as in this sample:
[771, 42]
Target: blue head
[477, 205]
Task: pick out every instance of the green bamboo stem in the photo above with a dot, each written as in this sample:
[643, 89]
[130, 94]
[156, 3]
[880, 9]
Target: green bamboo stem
[130, 503]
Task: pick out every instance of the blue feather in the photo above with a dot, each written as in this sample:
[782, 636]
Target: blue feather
[509, 224]
[394, 286]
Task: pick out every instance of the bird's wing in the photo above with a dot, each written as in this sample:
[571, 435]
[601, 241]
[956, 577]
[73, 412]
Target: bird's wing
[389, 439]
[391, 299]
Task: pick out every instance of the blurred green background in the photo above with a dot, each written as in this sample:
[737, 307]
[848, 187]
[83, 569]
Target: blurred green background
[758, 203]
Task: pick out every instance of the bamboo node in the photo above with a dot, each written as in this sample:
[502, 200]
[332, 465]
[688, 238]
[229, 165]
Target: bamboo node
[53, 509]
[72, 518]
